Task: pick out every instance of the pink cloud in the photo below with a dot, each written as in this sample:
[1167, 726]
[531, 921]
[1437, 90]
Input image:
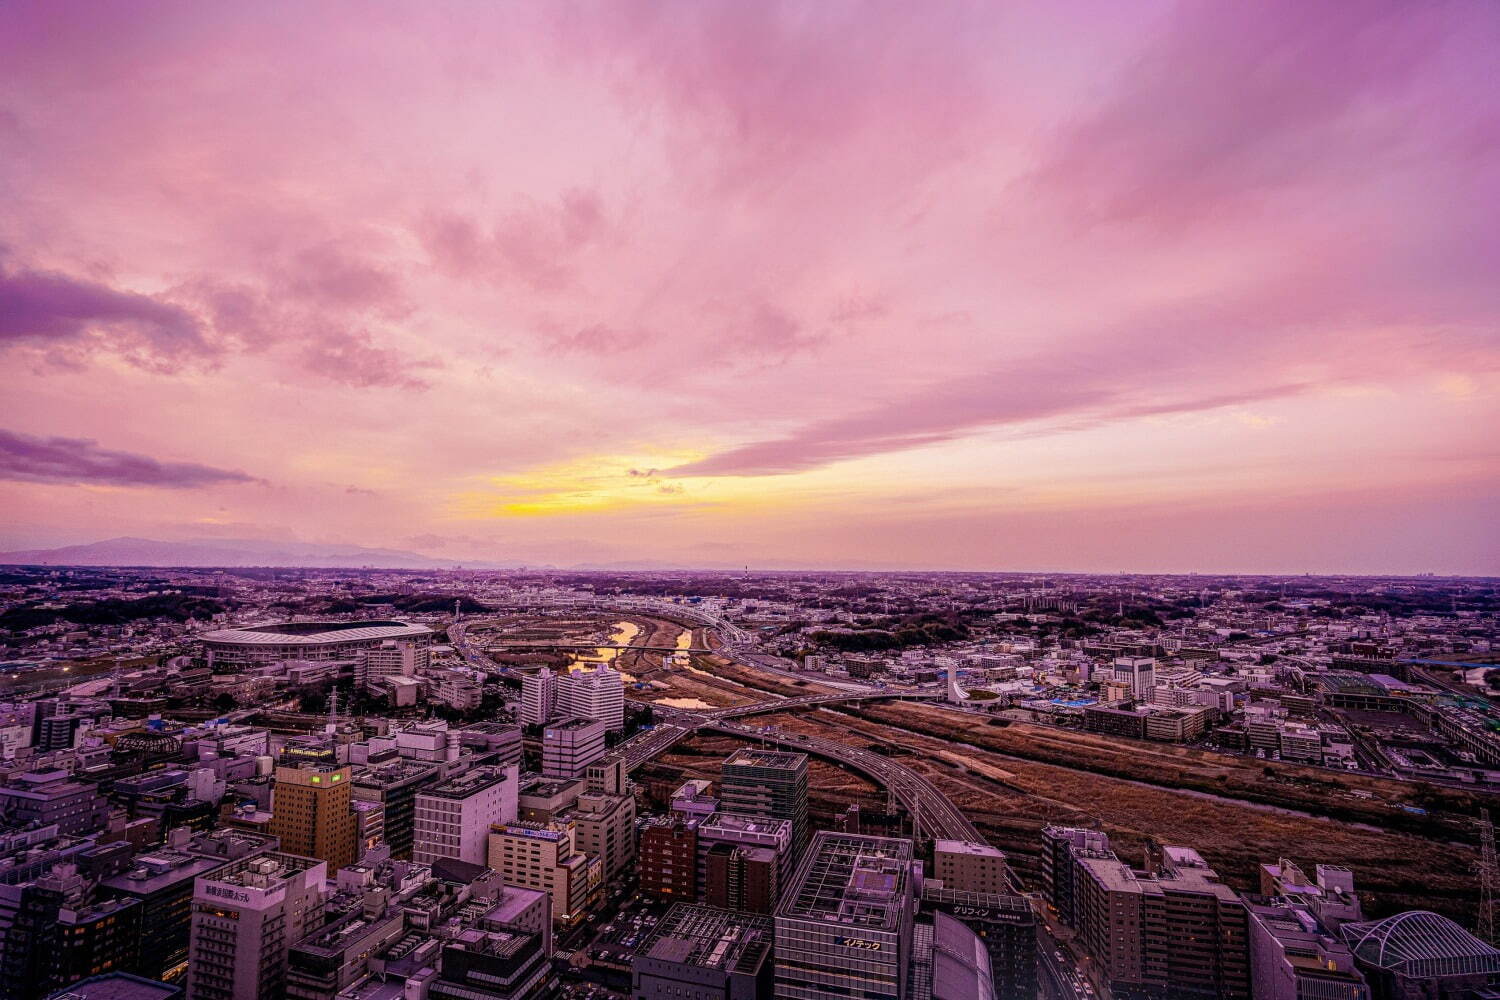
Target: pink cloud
[783, 235]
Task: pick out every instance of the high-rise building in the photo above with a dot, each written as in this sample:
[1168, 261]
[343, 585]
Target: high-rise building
[334, 955]
[1177, 931]
[1059, 846]
[706, 953]
[394, 784]
[546, 857]
[453, 819]
[479, 964]
[392, 658]
[162, 879]
[245, 920]
[311, 814]
[538, 697]
[949, 961]
[769, 783]
[1292, 957]
[971, 867]
[847, 918]
[1006, 924]
[608, 777]
[740, 878]
[569, 747]
[1138, 673]
[755, 832]
[606, 827]
[597, 694]
[49, 937]
[668, 864]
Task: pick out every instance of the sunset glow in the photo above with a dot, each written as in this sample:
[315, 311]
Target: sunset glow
[1088, 286]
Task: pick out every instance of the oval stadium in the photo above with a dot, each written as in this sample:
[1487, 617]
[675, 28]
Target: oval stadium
[304, 640]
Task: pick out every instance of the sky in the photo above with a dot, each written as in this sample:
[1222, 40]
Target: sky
[1095, 286]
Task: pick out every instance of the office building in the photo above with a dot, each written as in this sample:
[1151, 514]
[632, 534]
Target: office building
[546, 857]
[52, 797]
[481, 964]
[740, 878]
[569, 747]
[607, 777]
[769, 783]
[751, 832]
[1137, 673]
[597, 694]
[1292, 957]
[246, 919]
[971, 867]
[311, 814]
[606, 827]
[336, 954]
[392, 658]
[50, 938]
[704, 953]
[501, 740]
[1176, 932]
[162, 880]
[453, 819]
[847, 917]
[668, 864]
[1006, 924]
[538, 698]
[394, 784]
[949, 962]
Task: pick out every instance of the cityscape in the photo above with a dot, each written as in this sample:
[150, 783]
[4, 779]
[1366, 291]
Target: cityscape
[375, 784]
[749, 500]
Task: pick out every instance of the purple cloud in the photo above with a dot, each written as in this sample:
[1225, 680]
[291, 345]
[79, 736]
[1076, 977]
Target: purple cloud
[49, 309]
[26, 458]
[351, 357]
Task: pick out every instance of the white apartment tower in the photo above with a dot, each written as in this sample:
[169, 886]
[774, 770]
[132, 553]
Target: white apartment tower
[391, 658]
[538, 697]
[597, 694]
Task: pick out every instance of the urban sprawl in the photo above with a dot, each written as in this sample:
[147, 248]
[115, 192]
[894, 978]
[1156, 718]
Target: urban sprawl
[369, 785]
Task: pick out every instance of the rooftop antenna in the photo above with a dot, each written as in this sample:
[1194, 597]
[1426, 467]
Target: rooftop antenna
[333, 711]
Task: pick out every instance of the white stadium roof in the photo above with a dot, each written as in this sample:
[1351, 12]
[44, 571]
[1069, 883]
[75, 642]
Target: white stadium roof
[315, 633]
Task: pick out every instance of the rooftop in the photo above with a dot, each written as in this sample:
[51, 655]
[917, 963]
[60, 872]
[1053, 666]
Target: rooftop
[754, 757]
[1422, 945]
[711, 938]
[313, 633]
[851, 879]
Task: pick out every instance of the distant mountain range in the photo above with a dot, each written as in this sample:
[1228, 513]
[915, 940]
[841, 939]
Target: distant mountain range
[233, 552]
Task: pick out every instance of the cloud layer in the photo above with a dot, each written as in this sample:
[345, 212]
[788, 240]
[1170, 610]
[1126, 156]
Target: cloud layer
[454, 272]
[76, 461]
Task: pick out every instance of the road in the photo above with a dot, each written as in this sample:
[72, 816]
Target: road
[932, 813]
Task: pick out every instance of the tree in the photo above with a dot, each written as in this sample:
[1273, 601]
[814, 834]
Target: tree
[224, 702]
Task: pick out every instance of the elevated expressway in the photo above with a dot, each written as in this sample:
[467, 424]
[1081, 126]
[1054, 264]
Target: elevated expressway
[932, 813]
